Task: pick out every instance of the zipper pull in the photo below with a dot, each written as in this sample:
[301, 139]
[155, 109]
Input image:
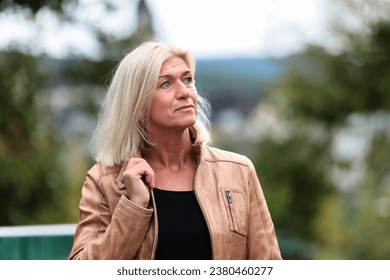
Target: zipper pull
[229, 197]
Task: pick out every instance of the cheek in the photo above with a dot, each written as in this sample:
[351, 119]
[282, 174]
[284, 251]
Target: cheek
[195, 101]
[160, 109]
[159, 102]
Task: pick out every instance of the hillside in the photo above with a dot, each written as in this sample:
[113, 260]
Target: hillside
[236, 73]
[236, 83]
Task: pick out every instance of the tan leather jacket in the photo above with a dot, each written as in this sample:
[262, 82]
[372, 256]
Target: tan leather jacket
[227, 189]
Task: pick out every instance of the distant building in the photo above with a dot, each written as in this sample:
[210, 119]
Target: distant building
[145, 22]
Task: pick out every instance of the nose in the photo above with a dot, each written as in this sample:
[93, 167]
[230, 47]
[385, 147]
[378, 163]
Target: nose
[182, 90]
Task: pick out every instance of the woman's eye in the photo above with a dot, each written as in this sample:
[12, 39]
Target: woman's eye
[187, 80]
[166, 84]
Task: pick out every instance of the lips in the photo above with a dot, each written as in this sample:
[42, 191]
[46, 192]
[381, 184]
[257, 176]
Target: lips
[185, 107]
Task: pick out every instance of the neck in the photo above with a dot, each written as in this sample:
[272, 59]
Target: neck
[172, 150]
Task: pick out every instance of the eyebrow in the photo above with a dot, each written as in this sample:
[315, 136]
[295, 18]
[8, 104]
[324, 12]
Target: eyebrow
[170, 76]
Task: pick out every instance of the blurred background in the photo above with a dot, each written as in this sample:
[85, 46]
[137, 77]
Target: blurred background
[300, 87]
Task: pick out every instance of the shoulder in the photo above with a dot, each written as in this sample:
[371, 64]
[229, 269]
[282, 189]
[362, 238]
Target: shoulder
[99, 171]
[212, 154]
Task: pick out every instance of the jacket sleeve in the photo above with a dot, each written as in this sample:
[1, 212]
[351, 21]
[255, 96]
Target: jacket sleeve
[262, 242]
[106, 234]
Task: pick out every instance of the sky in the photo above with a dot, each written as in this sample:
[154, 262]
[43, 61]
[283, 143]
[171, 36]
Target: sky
[240, 27]
[209, 28]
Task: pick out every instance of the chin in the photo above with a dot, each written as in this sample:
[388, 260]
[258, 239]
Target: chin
[188, 124]
[192, 122]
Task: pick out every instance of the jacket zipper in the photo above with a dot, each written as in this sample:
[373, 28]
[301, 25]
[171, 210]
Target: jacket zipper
[229, 199]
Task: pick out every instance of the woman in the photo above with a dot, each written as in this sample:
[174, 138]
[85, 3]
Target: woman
[157, 191]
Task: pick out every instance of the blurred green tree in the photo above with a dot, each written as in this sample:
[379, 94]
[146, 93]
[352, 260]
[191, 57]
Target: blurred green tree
[37, 183]
[34, 5]
[322, 185]
[32, 183]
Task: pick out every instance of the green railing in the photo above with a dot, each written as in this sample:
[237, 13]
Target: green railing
[44, 242]
[54, 242]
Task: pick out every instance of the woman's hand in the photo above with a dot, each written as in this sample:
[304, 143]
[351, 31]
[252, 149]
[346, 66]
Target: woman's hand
[138, 178]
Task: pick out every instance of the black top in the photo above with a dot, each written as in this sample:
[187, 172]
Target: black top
[182, 229]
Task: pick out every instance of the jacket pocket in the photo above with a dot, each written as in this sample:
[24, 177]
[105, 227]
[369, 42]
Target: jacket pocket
[236, 210]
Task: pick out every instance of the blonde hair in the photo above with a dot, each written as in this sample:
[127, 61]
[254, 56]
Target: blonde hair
[121, 129]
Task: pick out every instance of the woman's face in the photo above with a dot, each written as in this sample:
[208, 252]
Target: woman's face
[174, 104]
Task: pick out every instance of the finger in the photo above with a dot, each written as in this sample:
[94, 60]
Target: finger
[136, 166]
[149, 178]
[147, 174]
[134, 161]
[140, 169]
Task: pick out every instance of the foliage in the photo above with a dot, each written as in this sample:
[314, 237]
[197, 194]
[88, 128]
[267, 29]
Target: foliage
[357, 80]
[42, 167]
[34, 5]
[336, 198]
[295, 181]
[31, 180]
